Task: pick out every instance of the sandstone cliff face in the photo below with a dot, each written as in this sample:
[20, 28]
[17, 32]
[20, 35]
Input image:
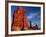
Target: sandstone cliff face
[19, 20]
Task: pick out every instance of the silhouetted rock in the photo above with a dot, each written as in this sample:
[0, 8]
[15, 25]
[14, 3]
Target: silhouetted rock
[30, 25]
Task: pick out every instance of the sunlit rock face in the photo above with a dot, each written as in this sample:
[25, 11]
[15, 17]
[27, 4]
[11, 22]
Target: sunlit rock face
[19, 20]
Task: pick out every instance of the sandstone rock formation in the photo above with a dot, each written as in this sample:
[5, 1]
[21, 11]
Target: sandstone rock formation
[19, 20]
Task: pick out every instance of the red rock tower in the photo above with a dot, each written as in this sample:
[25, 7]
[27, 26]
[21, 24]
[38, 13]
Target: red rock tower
[19, 20]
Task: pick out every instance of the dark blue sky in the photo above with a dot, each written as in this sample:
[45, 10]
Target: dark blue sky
[32, 13]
